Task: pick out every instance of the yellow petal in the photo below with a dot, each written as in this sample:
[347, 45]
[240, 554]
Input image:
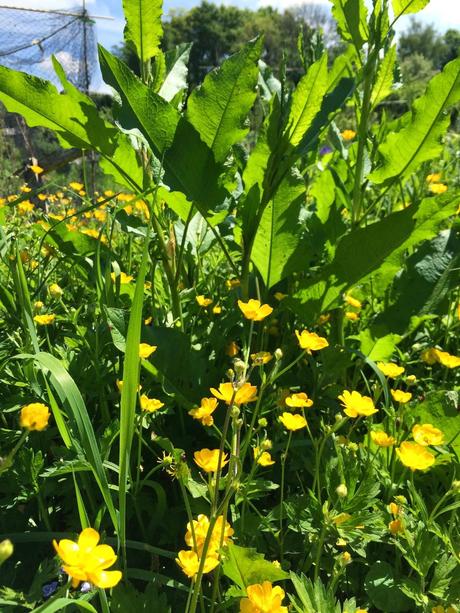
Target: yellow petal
[105, 579]
[68, 551]
[88, 539]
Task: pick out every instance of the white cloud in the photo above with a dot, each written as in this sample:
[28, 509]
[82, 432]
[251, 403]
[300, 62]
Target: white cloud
[284, 4]
[57, 5]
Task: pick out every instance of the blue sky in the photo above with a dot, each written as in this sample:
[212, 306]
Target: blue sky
[443, 14]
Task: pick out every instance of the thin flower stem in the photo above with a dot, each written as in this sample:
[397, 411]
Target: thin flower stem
[283, 467]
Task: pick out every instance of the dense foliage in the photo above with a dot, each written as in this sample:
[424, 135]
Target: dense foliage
[237, 369]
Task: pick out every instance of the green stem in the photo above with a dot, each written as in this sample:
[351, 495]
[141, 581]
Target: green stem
[283, 468]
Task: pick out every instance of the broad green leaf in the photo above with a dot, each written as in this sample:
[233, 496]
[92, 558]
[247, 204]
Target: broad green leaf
[377, 348]
[278, 234]
[351, 17]
[404, 7]
[419, 139]
[176, 71]
[143, 26]
[244, 566]
[384, 81]
[383, 589]
[188, 162]
[219, 107]
[306, 100]
[60, 604]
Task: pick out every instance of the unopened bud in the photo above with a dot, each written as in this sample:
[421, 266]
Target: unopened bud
[230, 374]
[239, 367]
[456, 485]
[342, 491]
[353, 446]
[235, 412]
[6, 550]
[346, 558]
[338, 417]
[263, 423]
[278, 354]
[266, 444]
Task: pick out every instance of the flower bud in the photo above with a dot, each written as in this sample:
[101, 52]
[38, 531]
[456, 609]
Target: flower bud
[6, 550]
[338, 417]
[235, 412]
[263, 423]
[230, 374]
[278, 354]
[239, 367]
[346, 558]
[353, 447]
[266, 444]
[342, 491]
[456, 485]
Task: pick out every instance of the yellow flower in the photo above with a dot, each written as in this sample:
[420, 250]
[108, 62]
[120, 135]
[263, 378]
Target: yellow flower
[298, 400]
[263, 598]
[354, 302]
[263, 357]
[36, 169]
[351, 315]
[395, 527]
[393, 508]
[204, 411]
[430, 355]
[146, 350]
[437, 188]
[228, 393]
[382, 439]
[254, 310]
[346, 558]
[263, 457]
[25, 207]
[448, 360]
[415, 456]
[55, 291]
[208, 459]
[310, 341]
[348, 134]
[190, 562]
[44, 320]
[293, 422]
[150, 404]
[361, 611]
[232, 349]
[232, 283]
[433, 178]
[200, 531]
[148, 320]
[85, 560]
[357, 405]
[203, 302]
[34, 416]
[390, 369]
[400, 396]
[426, 434]
[124, 278]
[76, 186]
[323, 319]
[6, 550]
[26, 189]
[217, 310]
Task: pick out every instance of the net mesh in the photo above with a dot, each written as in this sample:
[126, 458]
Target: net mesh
[28, 40]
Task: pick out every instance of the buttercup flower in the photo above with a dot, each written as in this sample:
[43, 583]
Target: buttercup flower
[232, 349]
[292, 421]
[242, 395]
[426, 434]
[352, 316]
[38, 305]
[204, 411]
[76, 186]
[382, 439]
[298, 400]
[415, 456]
[146, 350]
[348, 134]
[448, 360]
[36, 169]
[263, 458]
[356, 405]
[85, 560]
[354, 302]
[150, 404]
[34, 416]
[263, 357]
[437, 188]
[190, 562]
[435, 177]
[203, 302]
[124, 278]
[390, 369]
[310, 341]
[55, 291]
[430, 355]
[254, 310]
[263, 598]
[217, 310]
[395, 527]
[44, 320]
[201, 529]
[400, 396]
[208, 459]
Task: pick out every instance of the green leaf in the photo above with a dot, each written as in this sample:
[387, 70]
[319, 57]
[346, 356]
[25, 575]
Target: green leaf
[419, 139]
[176, 71]
[441, 408]
[188, 162]
[306, 100]
[384, 81]
[219, 107]
[143, 26]
[351, 17]
[60, 604]
[314, 597]
[383, 589]
[401, 7]
[377, 348]
[244, 566]
[278, 234]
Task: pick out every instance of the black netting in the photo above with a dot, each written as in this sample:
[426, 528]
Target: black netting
[28, 39]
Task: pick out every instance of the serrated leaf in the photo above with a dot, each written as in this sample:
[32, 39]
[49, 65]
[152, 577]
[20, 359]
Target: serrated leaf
[419, 139]
[245, 566]
[351, 17]
[404, 7]
[219, 107]
[143, 26]
[384, 81]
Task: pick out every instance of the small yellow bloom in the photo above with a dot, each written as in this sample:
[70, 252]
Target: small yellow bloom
[263, 598]
[351, 315]
[231, 395]
[232, 283]
[217, 309]
[44, 320]
[430, 355]
[415, 456]
[190, 562]
[200, 532]
[433, 178]
[203, 302]
[323, 319]
[124, 278]
[232, 349]
[293, 422]
[382, 439]
[354, 302]
[298, 400]
[361, 611]
[146, 350]
[263, 357]
[150, 404]
[310, 341]
[85, 560]
[26, 189]
[254, 310]
[400, 396]
[395, 527]
[357, 405]
[390, 369]
[348, 134]
[55, 290]
[76, 186]
[437, 188]
[448, 360]
[25, 207]
[36, 169]
[426, 434]
[148, 320]
[204, 411]
[6, 550]
[263, 458]
[34, 416]
[394, 509]
[208, 459]
[346, 558]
